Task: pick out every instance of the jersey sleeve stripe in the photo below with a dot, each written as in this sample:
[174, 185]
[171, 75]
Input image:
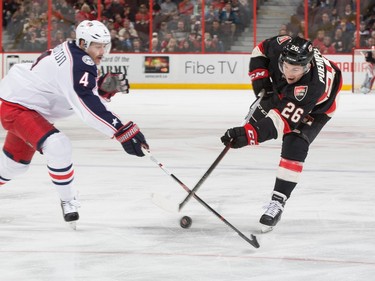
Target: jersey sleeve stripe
[279, 122]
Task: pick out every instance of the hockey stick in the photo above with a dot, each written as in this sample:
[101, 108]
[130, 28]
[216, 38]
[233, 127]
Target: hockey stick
[252, 108]
[252, 240]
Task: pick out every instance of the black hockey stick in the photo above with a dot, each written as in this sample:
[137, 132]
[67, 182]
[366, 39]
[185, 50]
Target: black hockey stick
[252, 108]
[252, 240]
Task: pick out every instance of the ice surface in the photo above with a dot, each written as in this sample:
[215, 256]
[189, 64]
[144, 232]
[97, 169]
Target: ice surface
[327, 231]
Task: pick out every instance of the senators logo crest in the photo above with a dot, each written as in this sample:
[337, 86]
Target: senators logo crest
[300, 92]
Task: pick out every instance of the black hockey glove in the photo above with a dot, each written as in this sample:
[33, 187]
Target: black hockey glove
[111, 84]
[240, 136]
[260, 80]
[132, 139]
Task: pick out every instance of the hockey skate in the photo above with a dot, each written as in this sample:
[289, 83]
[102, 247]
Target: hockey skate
[365, 90]
[273, 212]
[70, 213]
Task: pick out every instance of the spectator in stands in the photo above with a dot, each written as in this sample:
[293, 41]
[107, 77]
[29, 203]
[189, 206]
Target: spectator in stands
[338, 42]
[142, 25]
[227, 15]
[370, 42]
[180, 33]
[128, 13]
[186, 47]
[335, 18]
[64, 13]
[118, 21]
[195, 25]
[211, 14]
[296, 26]
[241, 14]
[211, 44]
[326, 25]
[142, 16]
[327, 47]
[349, 15]
[163, 31]
[128, 27]
[215, 29]
[347, 26]
[172, 24]
[157, 17]
[228, 20]
[85, 13]
[362, 40]
[125, 42]
[58, 39]
[113, 7]
[72, 35]
[32, 43]
[137, 46]
[15, 26]
[168, 9]
[186, 8]
[340, 5]
[347, 35]
[218, 4]
[115, 41]
[319, 40]
[194, 42]
[155, 45]
[165, 40]
[363, 31]
[171, 46]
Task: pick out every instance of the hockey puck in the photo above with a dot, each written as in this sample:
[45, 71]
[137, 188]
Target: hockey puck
[185, 222]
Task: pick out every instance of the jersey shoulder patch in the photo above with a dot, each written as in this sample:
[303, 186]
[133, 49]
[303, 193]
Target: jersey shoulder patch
[300, 92]
[282, 39]
[82, 61]
[88, 60]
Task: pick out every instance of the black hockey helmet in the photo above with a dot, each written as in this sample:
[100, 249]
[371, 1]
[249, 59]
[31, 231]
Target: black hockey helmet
[298, 51]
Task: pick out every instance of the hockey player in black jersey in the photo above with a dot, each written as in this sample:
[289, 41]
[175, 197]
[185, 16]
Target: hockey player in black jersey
[301, 90]
[370, 72]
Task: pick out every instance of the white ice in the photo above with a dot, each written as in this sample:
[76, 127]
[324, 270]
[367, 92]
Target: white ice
[327, 231]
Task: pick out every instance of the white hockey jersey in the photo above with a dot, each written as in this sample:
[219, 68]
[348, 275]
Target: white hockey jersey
[61, 82]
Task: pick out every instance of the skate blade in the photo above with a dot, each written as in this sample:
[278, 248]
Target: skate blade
[266, 228]
[73, 225]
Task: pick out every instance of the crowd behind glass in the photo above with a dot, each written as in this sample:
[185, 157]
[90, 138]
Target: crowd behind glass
[180, 26]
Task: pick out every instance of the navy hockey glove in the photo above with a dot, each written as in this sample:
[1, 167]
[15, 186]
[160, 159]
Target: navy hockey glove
[240, 136]
[112, 83]
[132, 139]
[260, 80]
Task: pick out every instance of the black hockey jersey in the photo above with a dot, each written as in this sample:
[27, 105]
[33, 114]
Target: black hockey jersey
[314, 93]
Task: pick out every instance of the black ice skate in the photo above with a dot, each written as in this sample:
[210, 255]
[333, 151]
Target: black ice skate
[70, 213]
[274, 211]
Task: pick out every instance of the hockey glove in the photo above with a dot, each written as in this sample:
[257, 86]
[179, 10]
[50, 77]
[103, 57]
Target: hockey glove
[112, 83]
[240, 136]
[260, 80]
[132, 139]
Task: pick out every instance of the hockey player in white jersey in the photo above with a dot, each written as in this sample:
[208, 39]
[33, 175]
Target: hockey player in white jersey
[62, 81]
[370, 72]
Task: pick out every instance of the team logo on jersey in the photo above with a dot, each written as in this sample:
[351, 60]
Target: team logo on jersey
[87, 60]
[300, 92]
